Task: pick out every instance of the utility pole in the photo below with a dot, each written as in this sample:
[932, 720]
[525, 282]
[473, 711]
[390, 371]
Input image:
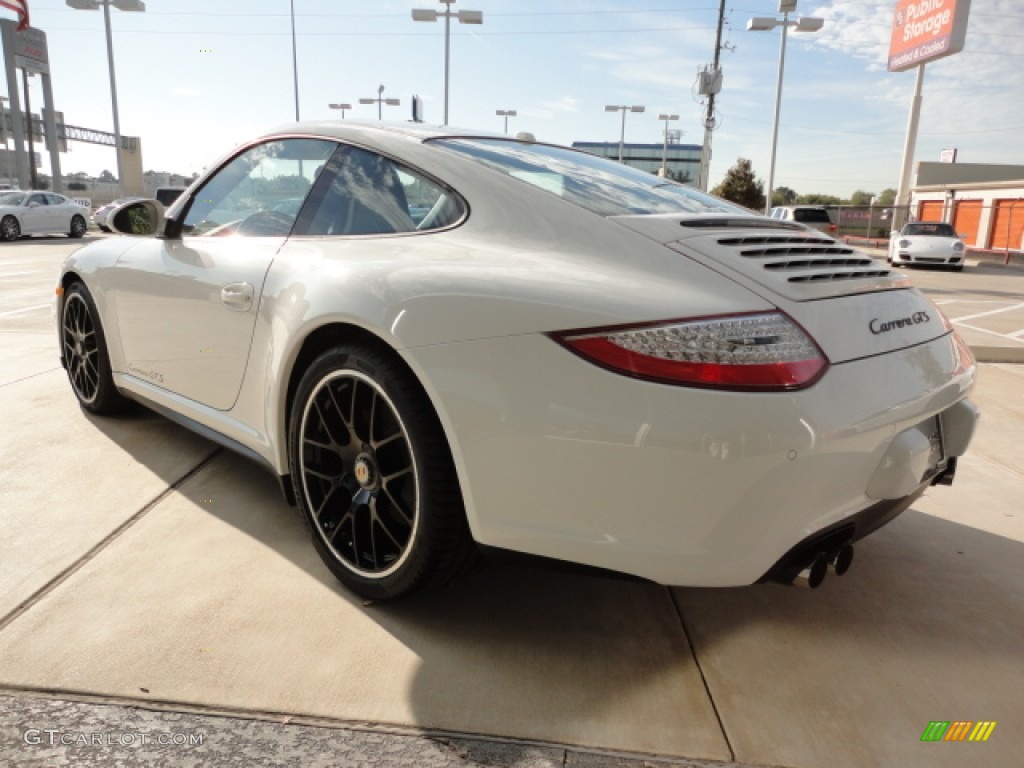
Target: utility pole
[710, 84]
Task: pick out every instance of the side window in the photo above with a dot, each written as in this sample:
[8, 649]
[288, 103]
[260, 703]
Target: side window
[38, 199]
[259, 192]
[55, 199]
[363, 193]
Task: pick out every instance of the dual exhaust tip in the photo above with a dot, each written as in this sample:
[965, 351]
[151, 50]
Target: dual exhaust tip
[814, 574]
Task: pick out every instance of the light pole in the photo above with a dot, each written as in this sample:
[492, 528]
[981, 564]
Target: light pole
[121, 5]
[766, 24]
[664, 151]
[295, 63]
[3, 140]
[464, 17]
[506, 113]
[380, 101]
[623, 109]
[342, 107]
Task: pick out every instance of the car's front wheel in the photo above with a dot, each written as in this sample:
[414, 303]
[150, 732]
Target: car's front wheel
[374, 477]
[78, 226]
[10, 229]
[85, 353]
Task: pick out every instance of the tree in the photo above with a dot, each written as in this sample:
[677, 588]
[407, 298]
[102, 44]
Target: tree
[783, 196]
[887, 197]
[860, 197]
[107, 176]
[816, 199]
[741, 186]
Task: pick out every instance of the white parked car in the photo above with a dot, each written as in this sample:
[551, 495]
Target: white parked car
[561, 355]
[101, 214]
[811, 216]
[39, 213]
[927, 243]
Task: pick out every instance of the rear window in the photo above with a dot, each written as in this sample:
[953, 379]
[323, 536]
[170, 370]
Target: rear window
[811, 216]
[594, 183]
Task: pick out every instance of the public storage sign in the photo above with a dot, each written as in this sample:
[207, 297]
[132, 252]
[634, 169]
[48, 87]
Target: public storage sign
[925, 30]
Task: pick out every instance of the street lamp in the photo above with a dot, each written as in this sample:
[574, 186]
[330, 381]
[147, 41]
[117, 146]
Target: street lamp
[380, 101]
[343, 107]
[766, 24]
[121, 5]
[664, 152]
[464, 17]
[623, 109]
[506, 113]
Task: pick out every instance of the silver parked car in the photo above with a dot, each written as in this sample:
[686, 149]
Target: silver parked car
[40, 213]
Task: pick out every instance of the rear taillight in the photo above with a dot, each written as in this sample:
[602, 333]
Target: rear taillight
[760, 352]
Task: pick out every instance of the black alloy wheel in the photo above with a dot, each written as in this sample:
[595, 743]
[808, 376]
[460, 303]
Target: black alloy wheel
[85, 353]
[10, 229]
[374, 477]
[78, 226]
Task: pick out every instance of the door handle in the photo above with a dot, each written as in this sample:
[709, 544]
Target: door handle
[237, 296]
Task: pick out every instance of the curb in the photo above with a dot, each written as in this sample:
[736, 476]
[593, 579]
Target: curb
[984, 354]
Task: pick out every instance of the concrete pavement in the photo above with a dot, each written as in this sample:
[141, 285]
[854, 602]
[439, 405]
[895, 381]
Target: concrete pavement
[142, 567]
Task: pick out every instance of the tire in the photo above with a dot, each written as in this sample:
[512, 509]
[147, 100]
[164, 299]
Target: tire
[374, 477]
[85, 353]
[10, 229]
[78, 226]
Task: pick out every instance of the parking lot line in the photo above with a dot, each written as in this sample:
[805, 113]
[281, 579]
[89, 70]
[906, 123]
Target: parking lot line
[1012, 336]
[990, 312]
[23, 310]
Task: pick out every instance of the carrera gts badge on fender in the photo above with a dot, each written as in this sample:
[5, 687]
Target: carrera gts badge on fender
[917, 318]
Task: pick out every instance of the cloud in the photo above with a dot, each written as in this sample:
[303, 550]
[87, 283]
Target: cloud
[547, 110]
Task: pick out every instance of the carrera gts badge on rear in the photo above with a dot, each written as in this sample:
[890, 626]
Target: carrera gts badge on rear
[917, 318]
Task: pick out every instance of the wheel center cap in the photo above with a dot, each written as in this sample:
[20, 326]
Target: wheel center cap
[78, 348]
[365, 472]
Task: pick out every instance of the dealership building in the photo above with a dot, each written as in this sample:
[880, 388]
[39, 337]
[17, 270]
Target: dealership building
[682, 161]
[985, 203]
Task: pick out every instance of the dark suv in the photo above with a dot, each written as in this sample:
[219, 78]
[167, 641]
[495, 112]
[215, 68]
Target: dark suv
[813, 216]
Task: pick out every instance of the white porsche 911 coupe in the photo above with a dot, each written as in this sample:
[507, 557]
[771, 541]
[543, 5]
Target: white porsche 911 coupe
[438, 339]
[927, 243]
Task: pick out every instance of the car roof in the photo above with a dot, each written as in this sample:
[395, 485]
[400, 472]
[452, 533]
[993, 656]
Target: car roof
[381, 135]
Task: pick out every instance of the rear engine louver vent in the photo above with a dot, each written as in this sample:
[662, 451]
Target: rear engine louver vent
[806, 260]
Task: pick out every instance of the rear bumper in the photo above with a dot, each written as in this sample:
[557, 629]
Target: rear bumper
[683, 486]
[831, 539]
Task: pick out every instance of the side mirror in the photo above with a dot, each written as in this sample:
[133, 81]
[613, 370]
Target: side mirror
[894, 233]
[137, 217]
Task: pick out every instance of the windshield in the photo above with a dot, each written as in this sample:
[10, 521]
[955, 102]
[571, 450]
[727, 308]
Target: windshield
[930, 228]
[12, 198]
[599, 185]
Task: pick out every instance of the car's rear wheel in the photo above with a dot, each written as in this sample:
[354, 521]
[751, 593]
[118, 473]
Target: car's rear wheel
[78, 226]
[374, 476]
[10, 229]
[85, 353]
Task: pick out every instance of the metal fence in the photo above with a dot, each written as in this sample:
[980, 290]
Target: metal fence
[984, 224]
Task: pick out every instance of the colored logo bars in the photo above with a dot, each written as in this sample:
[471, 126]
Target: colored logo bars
[958, 730]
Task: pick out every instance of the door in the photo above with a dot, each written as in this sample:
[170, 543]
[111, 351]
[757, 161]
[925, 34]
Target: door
[37, 213]
[186, 308]
[1008, 224]
[931, 210]
[966, 218]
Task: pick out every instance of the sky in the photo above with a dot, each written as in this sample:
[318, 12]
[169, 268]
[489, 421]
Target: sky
[197, 77]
